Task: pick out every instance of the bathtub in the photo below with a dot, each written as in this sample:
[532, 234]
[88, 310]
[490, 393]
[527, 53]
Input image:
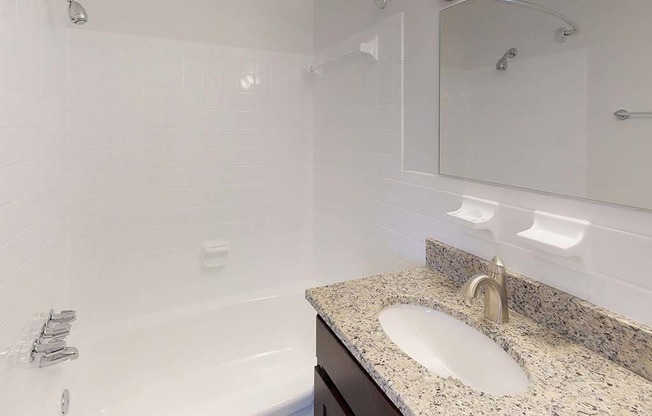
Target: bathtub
[246, 356]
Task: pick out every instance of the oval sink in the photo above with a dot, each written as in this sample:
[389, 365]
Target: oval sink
[450, 348]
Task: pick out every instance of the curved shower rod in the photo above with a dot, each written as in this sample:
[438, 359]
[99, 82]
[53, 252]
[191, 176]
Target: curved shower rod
[562, 33]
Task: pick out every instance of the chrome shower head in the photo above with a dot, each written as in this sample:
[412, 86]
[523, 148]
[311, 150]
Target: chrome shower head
[502, 63]
[77, 13]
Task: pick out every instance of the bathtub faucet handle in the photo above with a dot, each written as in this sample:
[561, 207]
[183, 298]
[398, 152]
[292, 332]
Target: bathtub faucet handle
[63, 317]
[55, 333]
[58, 357]
[50, 348]
[40, 349]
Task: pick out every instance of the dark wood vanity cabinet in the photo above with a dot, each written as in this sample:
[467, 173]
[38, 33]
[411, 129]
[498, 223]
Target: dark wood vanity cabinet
[342, 386]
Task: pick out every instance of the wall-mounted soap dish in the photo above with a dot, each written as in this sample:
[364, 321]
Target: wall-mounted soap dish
[476, 214]
[215, 254]
[557, 235]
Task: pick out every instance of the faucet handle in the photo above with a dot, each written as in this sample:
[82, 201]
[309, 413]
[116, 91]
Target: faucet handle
[55, 333]
[496, 267]
[58, 357]
[39, 349]
[50, 347]
[63, 317]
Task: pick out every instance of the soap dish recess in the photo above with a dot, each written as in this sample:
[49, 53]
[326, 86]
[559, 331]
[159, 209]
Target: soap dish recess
[557, 235]
[476, 214]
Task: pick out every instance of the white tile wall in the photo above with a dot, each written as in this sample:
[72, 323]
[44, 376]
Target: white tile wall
[33, 143]
[119, 157]
[178, 143]
[372, 216]
[365, 218]
[34, 84]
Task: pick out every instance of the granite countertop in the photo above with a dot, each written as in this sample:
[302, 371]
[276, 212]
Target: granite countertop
[565, 377]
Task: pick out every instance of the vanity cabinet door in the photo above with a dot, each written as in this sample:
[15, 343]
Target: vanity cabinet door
[338, 366]
[328, 401]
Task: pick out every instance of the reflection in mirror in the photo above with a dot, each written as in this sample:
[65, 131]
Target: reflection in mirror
[529, 92]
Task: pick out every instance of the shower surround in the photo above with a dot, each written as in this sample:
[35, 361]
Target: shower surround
[121, 156]
[175, 144]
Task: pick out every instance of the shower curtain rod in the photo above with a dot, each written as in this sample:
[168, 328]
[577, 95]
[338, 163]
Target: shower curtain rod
[562, 33]
[365, 48]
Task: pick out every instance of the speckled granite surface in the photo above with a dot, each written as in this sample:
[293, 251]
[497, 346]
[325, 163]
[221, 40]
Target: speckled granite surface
[613, 336]
[566, 378]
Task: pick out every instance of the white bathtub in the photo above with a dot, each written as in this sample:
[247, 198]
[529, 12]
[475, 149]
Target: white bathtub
[248, 356]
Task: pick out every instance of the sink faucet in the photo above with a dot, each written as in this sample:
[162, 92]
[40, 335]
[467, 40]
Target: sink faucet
[495, 295]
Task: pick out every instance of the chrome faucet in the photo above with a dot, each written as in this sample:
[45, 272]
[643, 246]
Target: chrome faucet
[495, 295]
[63, 317]
[57, 332]
[39, 350]
[50, 347]
[58, 357]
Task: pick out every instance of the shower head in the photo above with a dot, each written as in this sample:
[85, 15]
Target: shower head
[381, 3]
[77, 13]
[502, 63]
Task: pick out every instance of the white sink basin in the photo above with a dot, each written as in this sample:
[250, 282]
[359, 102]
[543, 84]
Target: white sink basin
[450, 348]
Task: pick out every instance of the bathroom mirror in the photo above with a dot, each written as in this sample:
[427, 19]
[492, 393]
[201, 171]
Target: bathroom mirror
[549, 95]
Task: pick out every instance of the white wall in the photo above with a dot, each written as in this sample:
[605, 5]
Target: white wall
[280, 25]
[179, 143]
[390, 211]
[337, 20]
[34, 89]
[358, 132]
